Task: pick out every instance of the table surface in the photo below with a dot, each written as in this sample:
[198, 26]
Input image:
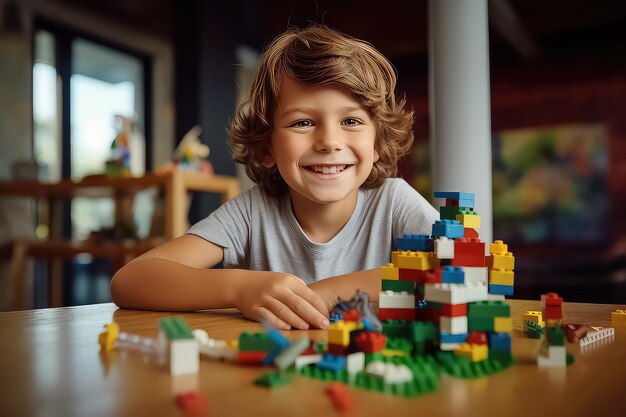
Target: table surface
[51, 366]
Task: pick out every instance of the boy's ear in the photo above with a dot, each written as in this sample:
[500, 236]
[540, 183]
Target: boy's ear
[376, 156]
[268, 159]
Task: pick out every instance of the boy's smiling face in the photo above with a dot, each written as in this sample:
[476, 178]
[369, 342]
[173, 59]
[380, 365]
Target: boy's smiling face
[322, 143]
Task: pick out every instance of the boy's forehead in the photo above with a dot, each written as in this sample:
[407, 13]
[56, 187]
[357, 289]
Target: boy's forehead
[293, 93]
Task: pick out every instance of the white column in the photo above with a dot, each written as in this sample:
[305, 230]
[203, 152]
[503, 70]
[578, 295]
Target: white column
[460, 122]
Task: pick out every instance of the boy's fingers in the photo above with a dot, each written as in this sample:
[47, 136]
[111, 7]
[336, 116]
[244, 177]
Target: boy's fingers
[308, 305]
[262, 313]
[283, 310]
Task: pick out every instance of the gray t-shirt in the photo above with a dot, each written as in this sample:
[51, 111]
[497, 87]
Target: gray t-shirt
[260, 232]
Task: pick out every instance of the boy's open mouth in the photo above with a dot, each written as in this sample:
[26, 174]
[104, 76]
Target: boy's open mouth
[327, 169]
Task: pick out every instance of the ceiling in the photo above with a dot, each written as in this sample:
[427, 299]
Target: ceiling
[518, 28]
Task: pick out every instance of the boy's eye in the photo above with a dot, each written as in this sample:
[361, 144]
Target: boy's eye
[301, 123]
[351, 122]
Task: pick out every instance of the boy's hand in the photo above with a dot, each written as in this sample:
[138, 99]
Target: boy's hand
[282, 299]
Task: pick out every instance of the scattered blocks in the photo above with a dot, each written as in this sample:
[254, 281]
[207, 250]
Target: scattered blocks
[342, 398]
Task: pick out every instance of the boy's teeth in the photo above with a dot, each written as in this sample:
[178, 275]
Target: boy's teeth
[328, 170]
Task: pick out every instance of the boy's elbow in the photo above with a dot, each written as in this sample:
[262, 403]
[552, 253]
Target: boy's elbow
[119, 289]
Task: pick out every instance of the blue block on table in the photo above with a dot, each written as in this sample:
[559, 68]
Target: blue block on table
[422, 243]
[500, 289]
[332, 362]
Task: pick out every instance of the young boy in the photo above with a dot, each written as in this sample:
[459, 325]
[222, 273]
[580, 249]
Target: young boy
[321, 133]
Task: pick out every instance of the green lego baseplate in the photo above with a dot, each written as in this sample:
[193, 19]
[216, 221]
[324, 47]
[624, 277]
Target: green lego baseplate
[463, 367]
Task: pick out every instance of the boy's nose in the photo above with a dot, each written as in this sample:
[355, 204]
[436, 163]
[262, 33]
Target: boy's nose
[328, 140]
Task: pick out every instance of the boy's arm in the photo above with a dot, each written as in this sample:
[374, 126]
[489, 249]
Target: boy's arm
[173, 277]
[345, 286]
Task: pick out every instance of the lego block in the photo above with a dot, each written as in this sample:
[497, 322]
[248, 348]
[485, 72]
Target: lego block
[182, 350]
[555, 336]
[501, 261]
[399, 286]
[305, 360]
[444, 248]
[353, 314]
[500, 289]
[500, 341]
[477, 338]
[475, 353]
[502, 324]
[599, 333]
[454, 195]
[422, 261]
[423, 331]
[355, 362]
[552, 356]
[390, 299]
[532, 330]
[256, 342]
[552, 306]
[449, 212]
[476, 274]
[480, 324]
[448, 346]
[422, 243]
[389, 372]
[618, 317]
[389, 272]
[496, 297]
[339, 332]
[498, 247]
[396, 314]
[470, 233]
[397, 328]
[455, 293]
[371, 342]
[450, 275]
[469, 220]
[192, 403]
[452, 338]
[501, 277]
[249, 357]
[273, 380]
[341, 397]
[290, 353]
[454, 310]
[332, 363]
[451, 229]
[468, 252]
[453, 325]
[488, 309]
[334, 349]
[415, 275]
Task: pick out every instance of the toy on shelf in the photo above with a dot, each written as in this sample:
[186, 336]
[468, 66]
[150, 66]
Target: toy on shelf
[191, 154]
[118, 163]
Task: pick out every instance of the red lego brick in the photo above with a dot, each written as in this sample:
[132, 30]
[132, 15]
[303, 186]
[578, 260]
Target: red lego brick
[427, 276]
[454, 310]
[371, 342]
[468, 252]
[428, 314]
[477, 338]
[471, 233]
[396, 314]
[552, 306]
[251, 357]
[192, 402]
[336, 349]
[452, 202]
[351, 315]
[342, 398]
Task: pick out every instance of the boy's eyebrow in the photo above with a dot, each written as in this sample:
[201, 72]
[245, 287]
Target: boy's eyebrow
[346, 109]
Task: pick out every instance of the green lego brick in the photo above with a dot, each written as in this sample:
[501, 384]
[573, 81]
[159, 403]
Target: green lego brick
[175, 328]
[480, 324]
[397, 328]
[404, 345]
[398, 286]
[533, 330]
[483, 309]
[555, 336]
[423, 331]
[273, 379]
[447, 212]
[504, 357]
[255, 342]
[462, 367]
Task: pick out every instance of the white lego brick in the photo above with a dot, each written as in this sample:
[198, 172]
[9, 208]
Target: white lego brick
[390, 299]
[184, 356]
[390, 373]
[448, 346]
[453, 325]
[355, 362]
[476, 274]
[556, 357]
[444, 248]
[596, 335]
[304, 360]
[455, 293]
[495, 297]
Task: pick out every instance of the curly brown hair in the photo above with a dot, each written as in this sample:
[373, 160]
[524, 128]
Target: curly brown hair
[319, 55]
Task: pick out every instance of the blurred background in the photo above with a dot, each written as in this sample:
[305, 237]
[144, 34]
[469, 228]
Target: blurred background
[77, 76]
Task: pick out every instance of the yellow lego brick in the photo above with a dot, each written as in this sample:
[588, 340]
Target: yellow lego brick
[500, 277]
[618, 317]
[533, 316]
[498, 247]
[339, 332]
[394, 257]
[469, 220]
[390, 272]
[422, 261]
[502, 324]
[394, 352]
[474, 353]
[501, 261]
[551, 323]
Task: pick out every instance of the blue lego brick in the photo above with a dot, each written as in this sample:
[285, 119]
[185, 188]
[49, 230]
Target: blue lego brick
[452, 275]
[500, 341]
[332, 362]
[422, 243]
[455, 195]
[500, 289]
[271, 357]
[334, 317]
[452, 338]
[465, 203]
[452, 229]
[278, 338]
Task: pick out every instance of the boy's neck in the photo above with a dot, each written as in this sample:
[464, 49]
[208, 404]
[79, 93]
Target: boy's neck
[323, 221]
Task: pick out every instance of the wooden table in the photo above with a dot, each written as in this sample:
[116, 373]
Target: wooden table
[175, 185]
[51, 366]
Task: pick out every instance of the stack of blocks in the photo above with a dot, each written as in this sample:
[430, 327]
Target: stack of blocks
[180, 348]
[552, 352]
[446, 279]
